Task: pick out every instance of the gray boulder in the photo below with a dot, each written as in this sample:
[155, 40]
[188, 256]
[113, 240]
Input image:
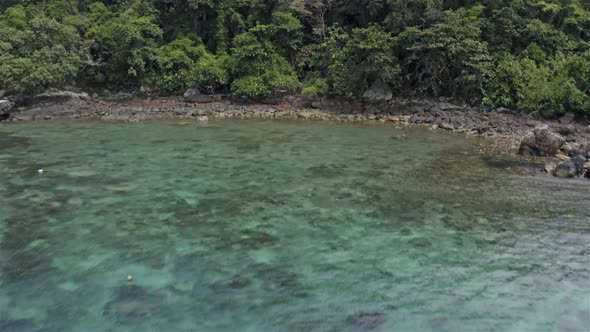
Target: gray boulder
[567, 118]
[579, 162]
[570, 168]
[378, 91]
[541, 141]
[5, 107]
[195, 96]
[566, 169]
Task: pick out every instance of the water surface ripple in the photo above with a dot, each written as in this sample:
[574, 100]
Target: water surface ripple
[282, 226]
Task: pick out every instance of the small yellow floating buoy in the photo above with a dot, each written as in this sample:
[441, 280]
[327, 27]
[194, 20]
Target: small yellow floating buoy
[129, 278]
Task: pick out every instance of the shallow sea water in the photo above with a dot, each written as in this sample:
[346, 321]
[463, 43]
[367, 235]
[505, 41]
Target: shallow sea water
[282, 226]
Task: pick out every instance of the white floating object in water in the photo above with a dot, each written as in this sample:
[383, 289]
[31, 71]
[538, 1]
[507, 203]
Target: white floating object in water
[40, 171]
[129, 278]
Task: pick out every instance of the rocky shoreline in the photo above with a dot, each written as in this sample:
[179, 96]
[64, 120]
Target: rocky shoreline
[565, 142]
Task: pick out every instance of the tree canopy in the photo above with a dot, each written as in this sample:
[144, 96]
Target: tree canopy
[530, 55]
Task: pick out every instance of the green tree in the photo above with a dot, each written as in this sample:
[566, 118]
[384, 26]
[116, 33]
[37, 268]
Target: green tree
[553, 85]
[257, 68]
[185, 63]
[360, 58]
[449, 58]
[531, 55]
[411, 13]
[125, 41]
[36, 52]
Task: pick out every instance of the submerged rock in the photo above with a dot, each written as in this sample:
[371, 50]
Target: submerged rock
[458, 224]
[255, 239]
[366, 320]
[327, 171]
[405, 231]
[541, 141]
[238, 282]
[16, 325]
[280, 281]
[420, 242]
[131, 302]
[130, 292]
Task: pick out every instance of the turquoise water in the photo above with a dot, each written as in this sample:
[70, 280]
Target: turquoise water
[282, 226]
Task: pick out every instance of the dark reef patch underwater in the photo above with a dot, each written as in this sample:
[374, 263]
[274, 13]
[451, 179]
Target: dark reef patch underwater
[282, 226]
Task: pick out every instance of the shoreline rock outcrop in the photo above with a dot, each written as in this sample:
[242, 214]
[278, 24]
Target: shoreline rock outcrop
[6, 107]
[511, 132]
[541, 142]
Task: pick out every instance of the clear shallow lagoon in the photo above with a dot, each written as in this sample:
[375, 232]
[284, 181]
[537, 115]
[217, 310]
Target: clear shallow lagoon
[282, 226]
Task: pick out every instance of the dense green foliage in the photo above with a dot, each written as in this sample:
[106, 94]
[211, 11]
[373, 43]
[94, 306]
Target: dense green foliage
[531, 55]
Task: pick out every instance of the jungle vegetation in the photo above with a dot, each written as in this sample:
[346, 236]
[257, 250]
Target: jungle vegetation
[529, 55]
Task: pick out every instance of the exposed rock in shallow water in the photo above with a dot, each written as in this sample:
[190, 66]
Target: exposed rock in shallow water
[254, 239]
[570, 168]
[579, 162]
[5, 105]
[550, 167]
[9, 141]
[541, 142]
[366, 320]
[565, 169]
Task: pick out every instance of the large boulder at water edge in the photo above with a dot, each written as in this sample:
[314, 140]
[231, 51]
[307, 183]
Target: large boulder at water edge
[541, 142]
[570, 168]
[5, 107]
[378, 91]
